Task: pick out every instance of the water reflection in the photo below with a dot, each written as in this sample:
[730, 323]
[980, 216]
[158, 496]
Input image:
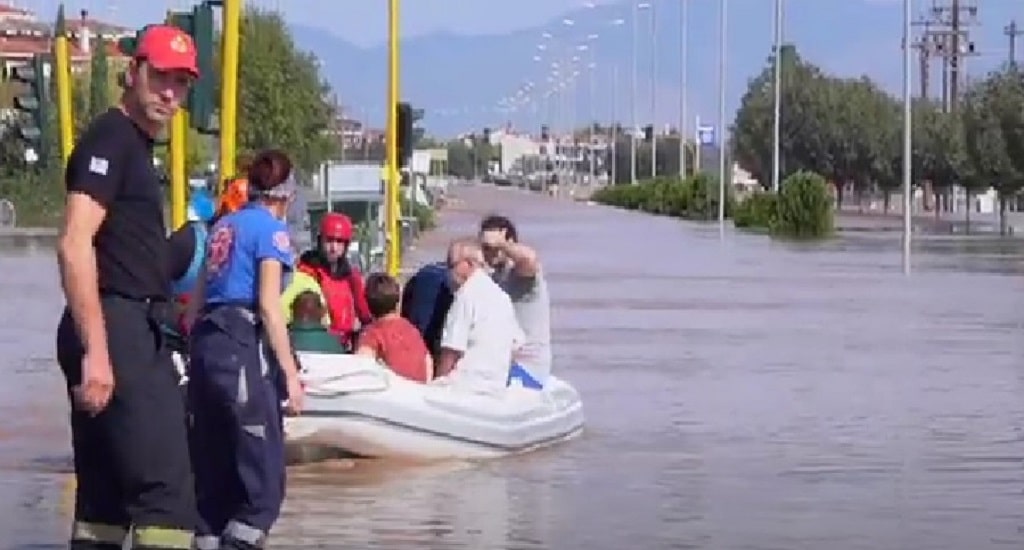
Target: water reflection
[741, 394]
[377, 506]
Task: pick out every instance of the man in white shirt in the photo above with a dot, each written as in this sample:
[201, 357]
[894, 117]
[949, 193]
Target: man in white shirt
[481, 332]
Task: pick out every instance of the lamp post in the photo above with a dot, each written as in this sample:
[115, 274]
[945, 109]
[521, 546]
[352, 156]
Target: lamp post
[723, 42]
[777, 116]
[907, 134]
[683, 83]
[632, 98]
[654, 88]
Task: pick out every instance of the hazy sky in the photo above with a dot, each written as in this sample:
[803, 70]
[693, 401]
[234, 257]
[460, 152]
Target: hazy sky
[363, 22]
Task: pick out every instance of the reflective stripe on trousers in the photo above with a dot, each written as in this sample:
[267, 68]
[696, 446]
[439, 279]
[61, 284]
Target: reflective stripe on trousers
[98, 532]
[245, 533]
[161, 537]
[142, 537]
[207, 542]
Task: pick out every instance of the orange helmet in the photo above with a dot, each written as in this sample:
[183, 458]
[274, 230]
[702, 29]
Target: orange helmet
[336, 226]
[234, 196]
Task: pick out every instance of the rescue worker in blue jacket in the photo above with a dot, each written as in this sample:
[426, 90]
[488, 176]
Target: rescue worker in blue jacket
[236, 387]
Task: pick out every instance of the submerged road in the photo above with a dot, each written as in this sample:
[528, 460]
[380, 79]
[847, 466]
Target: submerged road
[741, 394]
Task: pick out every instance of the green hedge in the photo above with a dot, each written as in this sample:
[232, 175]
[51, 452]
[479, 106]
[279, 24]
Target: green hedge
[695, 198]
[425, 216]
[801, 210]
[38, 196]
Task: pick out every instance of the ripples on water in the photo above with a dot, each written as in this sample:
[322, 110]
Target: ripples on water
[744, 394]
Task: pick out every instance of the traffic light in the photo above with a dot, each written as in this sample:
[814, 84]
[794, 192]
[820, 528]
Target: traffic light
[649, 132]
[35, 103]
[202, 104]
[404, 118]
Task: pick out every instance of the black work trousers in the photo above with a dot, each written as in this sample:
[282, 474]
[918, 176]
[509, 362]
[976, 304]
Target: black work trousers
[131, 460]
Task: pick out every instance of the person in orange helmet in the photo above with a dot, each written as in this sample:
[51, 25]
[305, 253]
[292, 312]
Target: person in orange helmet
[341, 283]
[234, 196]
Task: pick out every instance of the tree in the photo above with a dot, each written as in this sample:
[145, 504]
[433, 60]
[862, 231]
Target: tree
[282, 98]
[803, 122]
[939, 156]
[99, 77]
[994, 138]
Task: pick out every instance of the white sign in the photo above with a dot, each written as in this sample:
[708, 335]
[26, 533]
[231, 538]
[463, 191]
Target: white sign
[706, 135]
[420, 162]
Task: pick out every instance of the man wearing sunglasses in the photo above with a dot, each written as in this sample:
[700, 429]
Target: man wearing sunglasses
[518, 272]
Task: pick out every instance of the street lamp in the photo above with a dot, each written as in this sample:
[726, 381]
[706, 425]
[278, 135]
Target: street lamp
[654, 88]
[907, 134]
[632, 97]
[684, 37]
[777, 116]
[723, 42]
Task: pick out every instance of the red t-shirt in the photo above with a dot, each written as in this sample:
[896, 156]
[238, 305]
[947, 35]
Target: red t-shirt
[397, 342]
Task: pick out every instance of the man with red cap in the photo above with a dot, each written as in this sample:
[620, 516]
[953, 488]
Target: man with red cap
[341, 283]
[128, 422]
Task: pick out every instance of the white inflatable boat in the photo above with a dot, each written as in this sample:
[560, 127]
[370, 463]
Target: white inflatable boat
[357, 406]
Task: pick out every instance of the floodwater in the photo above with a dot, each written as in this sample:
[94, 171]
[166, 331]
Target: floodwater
[741, 394]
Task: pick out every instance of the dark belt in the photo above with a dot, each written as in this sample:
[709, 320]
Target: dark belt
[247, 310]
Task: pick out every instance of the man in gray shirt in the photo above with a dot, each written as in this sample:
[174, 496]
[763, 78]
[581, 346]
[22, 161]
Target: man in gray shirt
[518, 271]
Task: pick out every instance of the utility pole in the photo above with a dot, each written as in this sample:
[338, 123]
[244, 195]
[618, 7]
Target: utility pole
[923, 45]
[948, 35]
[1012, 31]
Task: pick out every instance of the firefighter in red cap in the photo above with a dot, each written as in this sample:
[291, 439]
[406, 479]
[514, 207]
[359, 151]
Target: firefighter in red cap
[340, 282]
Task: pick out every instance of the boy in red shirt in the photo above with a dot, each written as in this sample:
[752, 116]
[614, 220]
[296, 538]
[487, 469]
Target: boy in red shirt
[390, 338]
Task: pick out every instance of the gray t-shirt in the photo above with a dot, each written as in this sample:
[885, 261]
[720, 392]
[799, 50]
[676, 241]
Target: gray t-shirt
[533, 311]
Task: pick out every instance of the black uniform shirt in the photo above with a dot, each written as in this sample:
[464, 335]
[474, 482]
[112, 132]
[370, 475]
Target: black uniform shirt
[113, 164]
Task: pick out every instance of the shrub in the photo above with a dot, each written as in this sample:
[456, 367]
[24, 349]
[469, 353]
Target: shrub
[694, 198]
[804, 209]
[758, 211]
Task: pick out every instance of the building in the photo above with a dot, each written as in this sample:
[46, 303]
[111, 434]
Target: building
[23, 35]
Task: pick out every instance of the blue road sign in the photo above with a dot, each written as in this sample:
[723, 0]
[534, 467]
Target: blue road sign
[706, 135]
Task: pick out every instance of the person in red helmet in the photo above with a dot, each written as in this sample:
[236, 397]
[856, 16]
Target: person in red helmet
[341, 283]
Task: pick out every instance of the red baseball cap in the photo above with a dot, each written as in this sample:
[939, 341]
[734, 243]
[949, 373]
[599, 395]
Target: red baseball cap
[168, 48]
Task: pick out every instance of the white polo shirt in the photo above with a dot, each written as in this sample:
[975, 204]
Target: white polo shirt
[482, 325]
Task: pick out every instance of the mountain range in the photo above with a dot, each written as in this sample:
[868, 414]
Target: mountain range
[459, 79]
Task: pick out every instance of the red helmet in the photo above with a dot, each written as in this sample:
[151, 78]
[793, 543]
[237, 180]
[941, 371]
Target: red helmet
[336, 226]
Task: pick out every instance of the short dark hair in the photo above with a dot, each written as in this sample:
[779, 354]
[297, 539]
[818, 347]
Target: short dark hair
[307, 307]
[495, 221]
[382, 294]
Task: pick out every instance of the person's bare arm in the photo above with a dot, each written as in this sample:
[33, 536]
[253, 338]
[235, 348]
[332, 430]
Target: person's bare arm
[197, 300]
[446, 362]
[366, 351]
[272, 315]
[428, 363]
[524, 259]
[76, 258]
[94, 177]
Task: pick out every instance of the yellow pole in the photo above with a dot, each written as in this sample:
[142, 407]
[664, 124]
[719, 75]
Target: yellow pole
[62, 68]
[232, 17]
[394, 246]
[179, 132]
